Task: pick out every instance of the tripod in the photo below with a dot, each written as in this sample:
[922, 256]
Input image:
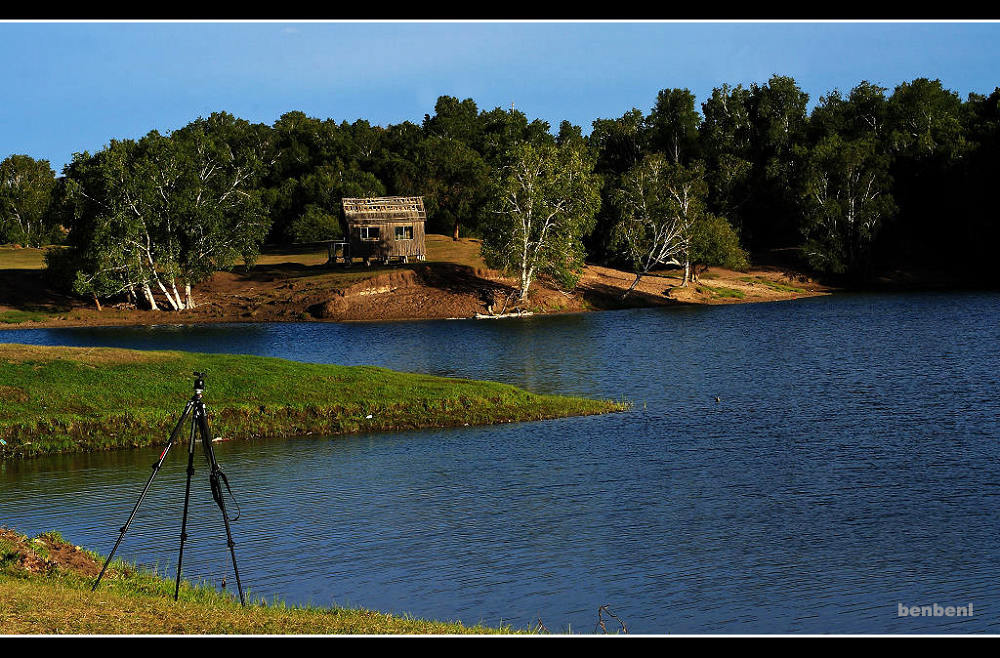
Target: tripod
[199, 425]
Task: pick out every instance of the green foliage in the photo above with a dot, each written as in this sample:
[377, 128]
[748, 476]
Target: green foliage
[454, 182]
[316, 163]
[19, 316]
[845, 195]
[316, 224]
[26, 191]
[454, 120]
[748, 139]
[773, 285]
[165, 211]
[221, 219]
[208, 194]
[658, 203]
[975, 230]
[863, 114]
[714, 242]
[617, 145]
[723, 292]
[926, 139]
[726, 136]
[503, 129]
[673, 126]
[925, 120]
[543, 204]
[664, 219]
[570, 134]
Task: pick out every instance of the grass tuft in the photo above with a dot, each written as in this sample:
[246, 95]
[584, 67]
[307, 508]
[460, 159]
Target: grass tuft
[721, 291]
[45, 589]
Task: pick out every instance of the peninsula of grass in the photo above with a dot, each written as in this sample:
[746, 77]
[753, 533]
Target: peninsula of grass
[45, 589]
[72, 399]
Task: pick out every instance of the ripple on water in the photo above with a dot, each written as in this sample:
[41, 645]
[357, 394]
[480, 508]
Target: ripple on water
[849, 465]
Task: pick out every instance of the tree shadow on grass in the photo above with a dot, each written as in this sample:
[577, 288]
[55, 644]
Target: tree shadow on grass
[30, 291]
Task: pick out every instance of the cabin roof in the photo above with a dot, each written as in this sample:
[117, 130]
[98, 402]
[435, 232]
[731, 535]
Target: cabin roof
[384, 208]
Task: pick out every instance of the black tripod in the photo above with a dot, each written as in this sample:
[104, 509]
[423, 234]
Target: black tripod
[199, 425]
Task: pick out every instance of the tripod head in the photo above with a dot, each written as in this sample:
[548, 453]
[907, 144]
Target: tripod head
[199, 382]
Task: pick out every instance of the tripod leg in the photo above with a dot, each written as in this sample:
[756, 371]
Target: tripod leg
[216, 473]
[187, 499]
[142, 496]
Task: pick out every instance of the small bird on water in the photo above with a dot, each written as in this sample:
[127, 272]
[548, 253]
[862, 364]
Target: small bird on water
[718, 399]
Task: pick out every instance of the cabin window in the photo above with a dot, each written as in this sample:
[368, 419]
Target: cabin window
[404, 232]
[369, 233]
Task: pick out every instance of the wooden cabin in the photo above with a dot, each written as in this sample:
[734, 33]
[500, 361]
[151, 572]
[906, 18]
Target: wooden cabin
[386, 228]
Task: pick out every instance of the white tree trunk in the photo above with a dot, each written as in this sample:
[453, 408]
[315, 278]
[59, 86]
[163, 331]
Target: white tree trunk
[166, 293]
[177, 296]
[148, 292]
[634, 284]
[526, 278]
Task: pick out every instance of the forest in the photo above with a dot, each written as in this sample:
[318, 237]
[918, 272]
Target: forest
[865, 182]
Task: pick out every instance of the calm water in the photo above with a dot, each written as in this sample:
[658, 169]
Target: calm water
[851, 465]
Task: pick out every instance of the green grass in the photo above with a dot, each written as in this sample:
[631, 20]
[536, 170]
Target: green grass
[17, 317]
[45, 589]
[773, 285]
[18, 258]
[442, 249]
[67, 399]
[721, 291]
[32, 314]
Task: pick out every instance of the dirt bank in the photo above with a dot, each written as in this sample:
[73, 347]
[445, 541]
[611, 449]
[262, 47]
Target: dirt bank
[453, 283]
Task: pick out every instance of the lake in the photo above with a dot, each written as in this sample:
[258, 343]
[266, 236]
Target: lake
[848, 465]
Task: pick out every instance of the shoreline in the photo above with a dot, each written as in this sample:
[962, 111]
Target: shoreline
[50, 578]
[241, 320]
[105, 319]
[65, 400]
[453, 283]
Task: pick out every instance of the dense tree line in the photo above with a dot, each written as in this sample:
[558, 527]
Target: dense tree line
[864, 182]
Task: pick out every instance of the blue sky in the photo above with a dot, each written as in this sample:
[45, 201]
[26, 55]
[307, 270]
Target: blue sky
[70, 87]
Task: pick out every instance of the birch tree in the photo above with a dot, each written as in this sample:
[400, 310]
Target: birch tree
[726, 139]
[846, 201]
[221, 217]
[543, 204]
[26, 188]
[655, 229]
[673, 125]
[664, 220]
[159, 215]
[104, 257]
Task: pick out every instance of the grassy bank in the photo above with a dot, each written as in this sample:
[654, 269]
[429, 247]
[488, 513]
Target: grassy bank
[67, 399]
[45, 589]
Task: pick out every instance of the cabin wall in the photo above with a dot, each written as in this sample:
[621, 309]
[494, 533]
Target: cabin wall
[387, 246]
